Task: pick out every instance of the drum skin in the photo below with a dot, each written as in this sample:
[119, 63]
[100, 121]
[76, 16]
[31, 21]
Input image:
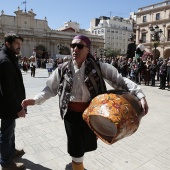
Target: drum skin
[113, 115]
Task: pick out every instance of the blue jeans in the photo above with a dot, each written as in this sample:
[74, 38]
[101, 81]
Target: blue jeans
[7, 141]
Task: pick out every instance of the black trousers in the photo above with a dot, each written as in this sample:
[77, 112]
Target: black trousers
[152, 79]
[80, 138]
[162, 81]
[7, 141]
[33, 71]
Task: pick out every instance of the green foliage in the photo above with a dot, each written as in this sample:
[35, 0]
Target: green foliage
[112, 53]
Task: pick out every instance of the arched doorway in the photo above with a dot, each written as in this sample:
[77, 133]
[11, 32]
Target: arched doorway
[167, 53]
[40, 52]
[65, 51]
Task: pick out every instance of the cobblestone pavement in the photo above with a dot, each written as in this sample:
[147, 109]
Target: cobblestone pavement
[43, 137]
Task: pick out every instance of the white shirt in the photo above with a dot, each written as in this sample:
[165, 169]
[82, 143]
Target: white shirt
[33, 64]
[141, 47]
[79, 92]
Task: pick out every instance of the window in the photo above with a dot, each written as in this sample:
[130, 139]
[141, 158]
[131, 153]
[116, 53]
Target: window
[144, 37]
[144, 19]
[158, 16]
[168, 35]
[102, 31]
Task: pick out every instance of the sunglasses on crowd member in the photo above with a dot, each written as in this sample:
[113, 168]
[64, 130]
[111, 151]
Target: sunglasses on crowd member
[79, 46]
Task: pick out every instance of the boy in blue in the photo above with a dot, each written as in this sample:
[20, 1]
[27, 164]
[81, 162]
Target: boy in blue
[49, 67]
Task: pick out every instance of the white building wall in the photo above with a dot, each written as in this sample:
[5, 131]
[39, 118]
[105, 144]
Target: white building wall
[115, 32]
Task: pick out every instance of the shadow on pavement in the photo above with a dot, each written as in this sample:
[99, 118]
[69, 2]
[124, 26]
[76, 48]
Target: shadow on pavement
[30, 165]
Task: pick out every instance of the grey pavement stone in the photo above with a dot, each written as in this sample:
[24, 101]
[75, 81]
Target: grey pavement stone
[42, 135]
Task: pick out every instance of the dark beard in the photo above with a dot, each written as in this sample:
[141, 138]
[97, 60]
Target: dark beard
[14, 51]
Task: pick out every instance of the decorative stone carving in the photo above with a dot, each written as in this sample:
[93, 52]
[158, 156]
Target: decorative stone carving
[2, 12]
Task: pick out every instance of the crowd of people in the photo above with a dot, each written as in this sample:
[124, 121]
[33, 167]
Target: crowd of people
[143, 71]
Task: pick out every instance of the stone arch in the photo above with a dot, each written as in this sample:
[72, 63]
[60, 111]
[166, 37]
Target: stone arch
[40, 51]
[167, 53]
[65, 50]
[144, 31]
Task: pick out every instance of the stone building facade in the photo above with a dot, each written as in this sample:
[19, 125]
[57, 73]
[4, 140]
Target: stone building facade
[154, 15]
[39, 36]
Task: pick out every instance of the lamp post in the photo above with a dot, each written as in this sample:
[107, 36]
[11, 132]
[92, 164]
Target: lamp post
[155, 34]
[60, 47]
[101, 52]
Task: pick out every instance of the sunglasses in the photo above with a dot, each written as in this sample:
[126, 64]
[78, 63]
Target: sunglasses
[79, 46]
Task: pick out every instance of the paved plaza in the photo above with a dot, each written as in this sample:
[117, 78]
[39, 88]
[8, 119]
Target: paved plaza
[42, 135]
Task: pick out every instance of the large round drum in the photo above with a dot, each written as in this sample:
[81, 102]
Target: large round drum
[114, 115]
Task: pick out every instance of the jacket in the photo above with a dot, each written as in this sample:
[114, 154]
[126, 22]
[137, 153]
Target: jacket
[12, 90]
[131, 50]
[152, 69]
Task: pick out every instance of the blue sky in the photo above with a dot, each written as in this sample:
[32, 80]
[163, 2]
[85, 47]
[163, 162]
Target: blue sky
[80, 11]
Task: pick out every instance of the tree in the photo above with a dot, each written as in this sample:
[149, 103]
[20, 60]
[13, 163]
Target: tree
[112, 53]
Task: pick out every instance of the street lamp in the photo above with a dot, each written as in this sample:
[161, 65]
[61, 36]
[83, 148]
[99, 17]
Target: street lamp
[60, 47]
[155, 34]
[101, 52]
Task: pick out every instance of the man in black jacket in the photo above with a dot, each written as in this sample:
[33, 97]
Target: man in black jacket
[163, 74]
[12, 92]
[131, 48]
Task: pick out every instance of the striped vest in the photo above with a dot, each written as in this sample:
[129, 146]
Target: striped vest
[92, 78]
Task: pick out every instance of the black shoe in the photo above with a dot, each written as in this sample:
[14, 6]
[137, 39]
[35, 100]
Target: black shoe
[18, 153]
[14, 166]
[160, 88]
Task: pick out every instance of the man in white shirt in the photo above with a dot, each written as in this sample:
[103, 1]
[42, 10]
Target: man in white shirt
[140, 48]
[77, 82]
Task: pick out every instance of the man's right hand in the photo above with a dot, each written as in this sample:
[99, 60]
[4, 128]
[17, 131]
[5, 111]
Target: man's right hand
[27, 102]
